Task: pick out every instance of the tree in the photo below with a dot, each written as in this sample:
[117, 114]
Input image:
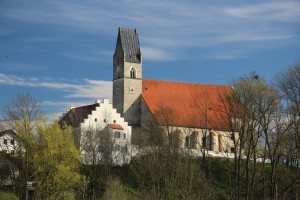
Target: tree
[96, 149]
[251, 108]
[203, 107]
[56, 162]
[115, 190]
[102, 145]
[163, 170]
[8, 196]
[288, 84]
[22, 116]
[25, 109]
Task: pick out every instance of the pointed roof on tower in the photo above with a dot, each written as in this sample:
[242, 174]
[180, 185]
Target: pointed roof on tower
[129, 41]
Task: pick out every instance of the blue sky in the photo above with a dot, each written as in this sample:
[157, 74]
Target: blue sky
[61, 51]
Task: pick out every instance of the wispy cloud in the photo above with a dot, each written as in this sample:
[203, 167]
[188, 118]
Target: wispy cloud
[167, 31]
[248, 37]
[62, 106]
[90, 58]
[17, 66]
[87, 89]
[156, 54]
[228, 55]
[274, 11]
[46, 39]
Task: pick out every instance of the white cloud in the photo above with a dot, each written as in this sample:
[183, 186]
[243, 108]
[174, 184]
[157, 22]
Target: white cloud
[46, 39]
[63, 105]
[156, 54]
[17, 66]
[248, 37]
[90, 58]
[228, 55]
[275, 11]
[168, 28]
[87, 89]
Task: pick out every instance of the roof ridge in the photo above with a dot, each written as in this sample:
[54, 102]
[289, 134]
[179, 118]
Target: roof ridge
[84, 106]
[121, 28]
[167, 81]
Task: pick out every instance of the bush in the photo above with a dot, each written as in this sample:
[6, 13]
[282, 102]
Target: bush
[115, 190]
[8, 196]
[67, 196]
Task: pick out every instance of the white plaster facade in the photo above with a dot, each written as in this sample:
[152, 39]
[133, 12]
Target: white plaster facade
[203, 139]
[105, 120]
[8, 142]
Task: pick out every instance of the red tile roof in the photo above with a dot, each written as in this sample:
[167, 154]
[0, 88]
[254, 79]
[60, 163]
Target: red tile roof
[115, 126]
[184, 104]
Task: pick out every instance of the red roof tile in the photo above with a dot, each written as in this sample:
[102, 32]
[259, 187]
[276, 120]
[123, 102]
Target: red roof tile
[115, 126]
[190, 105]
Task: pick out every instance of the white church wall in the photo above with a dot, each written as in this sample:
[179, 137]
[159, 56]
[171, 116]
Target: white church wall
[216, 140]
[99, 120]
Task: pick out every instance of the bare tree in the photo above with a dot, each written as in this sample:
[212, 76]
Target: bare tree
[249, 111]
[25, 109]
[163, 170]
[288, 84]
[203, 109]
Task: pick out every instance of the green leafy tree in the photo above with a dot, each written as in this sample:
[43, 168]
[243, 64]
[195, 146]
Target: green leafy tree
[8, 196]
[22, 116]
[56, 163]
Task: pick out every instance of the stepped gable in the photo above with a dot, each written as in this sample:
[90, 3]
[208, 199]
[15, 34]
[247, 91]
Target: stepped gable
[189, 105]
[75, 116]
[130, 45]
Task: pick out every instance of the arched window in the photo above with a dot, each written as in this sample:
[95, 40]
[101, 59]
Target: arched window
[132, 73]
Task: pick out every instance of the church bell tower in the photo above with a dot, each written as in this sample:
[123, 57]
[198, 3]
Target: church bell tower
[127, 76]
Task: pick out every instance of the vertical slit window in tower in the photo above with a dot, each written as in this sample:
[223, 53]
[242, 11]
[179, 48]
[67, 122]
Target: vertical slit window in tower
[132, 73]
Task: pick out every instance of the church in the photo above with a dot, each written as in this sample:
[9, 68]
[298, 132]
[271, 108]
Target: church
[192, 111]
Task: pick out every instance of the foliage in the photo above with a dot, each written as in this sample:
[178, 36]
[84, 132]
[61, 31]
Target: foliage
[8, 196]
[115, 190]
[56, 162]
[22, 116]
